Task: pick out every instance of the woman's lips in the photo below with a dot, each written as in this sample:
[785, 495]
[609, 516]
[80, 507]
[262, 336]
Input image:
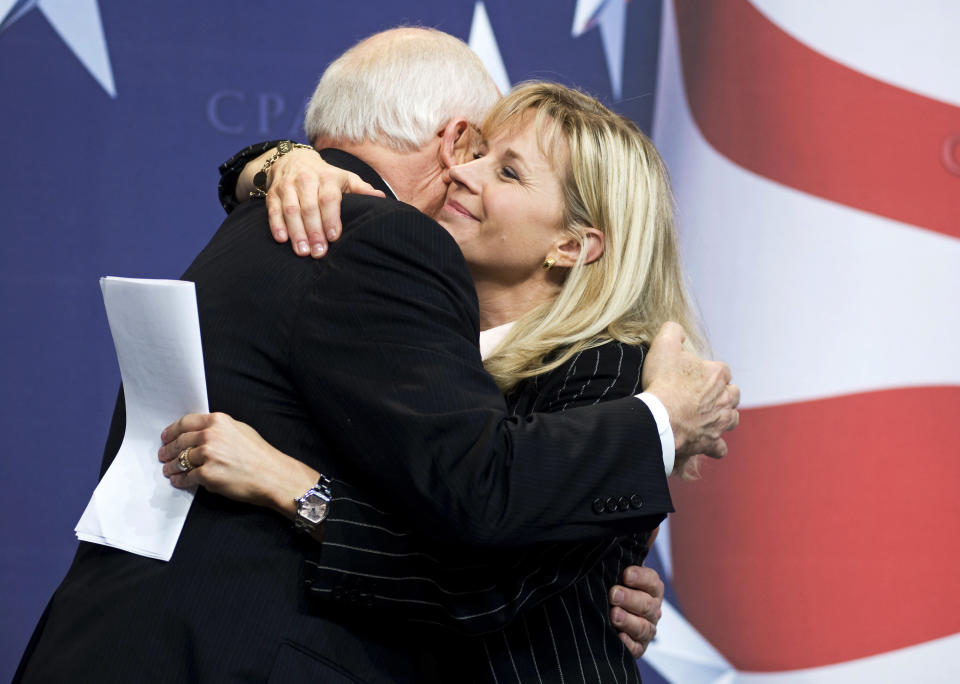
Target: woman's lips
[457, 208]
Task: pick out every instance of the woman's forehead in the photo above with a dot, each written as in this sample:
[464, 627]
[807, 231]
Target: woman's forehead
[551, 141]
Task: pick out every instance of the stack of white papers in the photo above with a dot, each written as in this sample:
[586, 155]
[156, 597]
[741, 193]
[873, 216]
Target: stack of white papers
[156, 332]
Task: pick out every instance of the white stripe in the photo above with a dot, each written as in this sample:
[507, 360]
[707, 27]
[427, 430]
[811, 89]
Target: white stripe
[533, 653]
[361, 503]
[681, 654]
[636, 385]
[619, 373]
[506, 642]
[624, 651]
[372, 527]
[603, 592]
[363, 549]
[586, 635]
[813, 308]
[573, 367]
[512, 603]
[573, 636]
[912, 45]
[493, 670]
[404, 578]
[546, 617]
[586, 383]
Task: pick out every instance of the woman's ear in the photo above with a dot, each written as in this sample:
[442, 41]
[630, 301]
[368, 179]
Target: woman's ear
[568, 250]
[455, 142]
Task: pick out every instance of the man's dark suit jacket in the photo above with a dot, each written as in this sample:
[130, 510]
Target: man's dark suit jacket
[365, 365]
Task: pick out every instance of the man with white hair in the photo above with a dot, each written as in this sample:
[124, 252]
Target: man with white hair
[365, 365]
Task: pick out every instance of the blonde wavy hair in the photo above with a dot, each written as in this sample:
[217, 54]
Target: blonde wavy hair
[615, 181]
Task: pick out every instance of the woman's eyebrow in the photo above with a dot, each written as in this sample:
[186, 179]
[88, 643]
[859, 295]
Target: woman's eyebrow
[511, 154]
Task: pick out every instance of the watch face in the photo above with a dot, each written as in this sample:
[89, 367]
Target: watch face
[314, 509]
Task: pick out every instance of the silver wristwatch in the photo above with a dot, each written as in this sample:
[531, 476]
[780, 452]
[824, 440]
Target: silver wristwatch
[313, 509]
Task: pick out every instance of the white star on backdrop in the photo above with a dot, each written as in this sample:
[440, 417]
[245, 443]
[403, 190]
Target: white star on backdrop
[611, 17]
[484, 43]
[78, 24]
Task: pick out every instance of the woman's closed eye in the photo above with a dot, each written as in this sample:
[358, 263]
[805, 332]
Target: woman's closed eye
[509, 172]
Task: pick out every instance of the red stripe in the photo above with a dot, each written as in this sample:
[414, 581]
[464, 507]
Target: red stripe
[830, 532]
[774, 106]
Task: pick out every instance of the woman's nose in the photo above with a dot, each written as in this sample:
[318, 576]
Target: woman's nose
[466, 175]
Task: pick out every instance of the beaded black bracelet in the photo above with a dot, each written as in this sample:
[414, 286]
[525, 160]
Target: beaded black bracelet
[231, 169]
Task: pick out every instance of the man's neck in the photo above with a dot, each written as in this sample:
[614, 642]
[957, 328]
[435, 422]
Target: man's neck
[413, 176]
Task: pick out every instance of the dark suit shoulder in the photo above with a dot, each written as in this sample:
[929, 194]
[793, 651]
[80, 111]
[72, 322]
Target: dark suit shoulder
[394, 223]
[608, 371]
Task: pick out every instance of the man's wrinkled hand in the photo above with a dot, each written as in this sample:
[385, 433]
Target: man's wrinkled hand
[698, 394]
[636, 607]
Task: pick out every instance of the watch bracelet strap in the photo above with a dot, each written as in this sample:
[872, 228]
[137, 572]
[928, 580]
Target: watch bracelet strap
[323, 488]
[231, 169]
[260, 178]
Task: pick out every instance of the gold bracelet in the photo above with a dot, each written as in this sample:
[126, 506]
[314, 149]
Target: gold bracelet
[260, 179]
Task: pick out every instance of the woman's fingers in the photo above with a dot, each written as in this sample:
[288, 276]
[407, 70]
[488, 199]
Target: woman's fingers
[191, 422]
[194, 458]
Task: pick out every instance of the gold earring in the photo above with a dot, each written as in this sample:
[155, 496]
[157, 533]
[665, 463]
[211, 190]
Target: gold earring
[548, 263]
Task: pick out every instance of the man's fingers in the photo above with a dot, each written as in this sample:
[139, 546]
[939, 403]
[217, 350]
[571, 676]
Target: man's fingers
[671, 333]
[638, 631]
[733, 421]
[636, 649]
[644, 579]
[715, 449]
[734, 395]
[725, 373]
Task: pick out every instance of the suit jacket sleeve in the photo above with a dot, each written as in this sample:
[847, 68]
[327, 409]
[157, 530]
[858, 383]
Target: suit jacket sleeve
[394, 301]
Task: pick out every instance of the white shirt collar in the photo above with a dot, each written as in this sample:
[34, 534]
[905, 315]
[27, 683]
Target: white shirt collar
[491, 337]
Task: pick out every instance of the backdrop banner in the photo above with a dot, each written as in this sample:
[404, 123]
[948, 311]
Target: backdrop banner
[815, 153]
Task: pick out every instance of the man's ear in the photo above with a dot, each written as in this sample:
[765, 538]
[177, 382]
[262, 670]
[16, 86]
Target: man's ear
[568, 250]
[455, 142]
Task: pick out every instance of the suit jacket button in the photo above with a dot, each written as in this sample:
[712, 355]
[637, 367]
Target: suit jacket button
[623, 504]
[611, 505]
[636, 501]
[597, 506]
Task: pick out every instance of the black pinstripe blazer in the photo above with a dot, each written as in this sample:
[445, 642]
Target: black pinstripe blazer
[366, 365]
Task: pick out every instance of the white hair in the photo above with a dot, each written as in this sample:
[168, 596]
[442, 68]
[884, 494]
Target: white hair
[398, 88]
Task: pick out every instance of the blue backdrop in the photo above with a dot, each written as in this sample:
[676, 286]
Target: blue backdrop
[111, 141]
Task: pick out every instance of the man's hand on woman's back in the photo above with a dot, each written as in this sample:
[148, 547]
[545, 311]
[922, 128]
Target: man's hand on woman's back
[698, 395]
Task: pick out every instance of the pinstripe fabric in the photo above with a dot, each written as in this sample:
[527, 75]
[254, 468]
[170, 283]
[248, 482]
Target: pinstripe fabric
[563, 633]
[366, 366]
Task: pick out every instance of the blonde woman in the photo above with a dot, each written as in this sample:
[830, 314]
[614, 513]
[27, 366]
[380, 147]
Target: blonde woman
[565, 220]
